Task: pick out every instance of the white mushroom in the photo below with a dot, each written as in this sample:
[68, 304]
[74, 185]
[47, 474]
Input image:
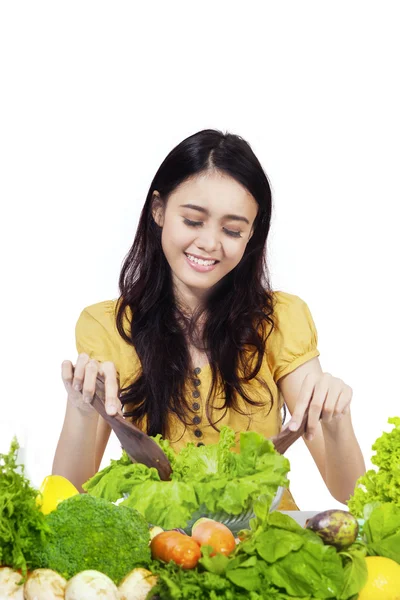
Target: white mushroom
[9, 588]
[91, 585]
[136, 585]
[45, 584]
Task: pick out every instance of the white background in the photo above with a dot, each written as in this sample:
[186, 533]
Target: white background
[93, 97]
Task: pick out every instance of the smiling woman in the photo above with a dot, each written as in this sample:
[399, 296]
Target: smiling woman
[206, 225]
[197, 338]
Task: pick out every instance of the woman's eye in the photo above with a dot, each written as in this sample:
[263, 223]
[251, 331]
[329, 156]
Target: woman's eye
[192, 223]
[236, 234]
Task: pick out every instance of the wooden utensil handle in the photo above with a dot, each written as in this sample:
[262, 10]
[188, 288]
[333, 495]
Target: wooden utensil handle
[116, 420]
[287, 437]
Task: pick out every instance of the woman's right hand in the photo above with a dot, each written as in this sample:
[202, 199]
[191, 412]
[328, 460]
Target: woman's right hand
[80, 383]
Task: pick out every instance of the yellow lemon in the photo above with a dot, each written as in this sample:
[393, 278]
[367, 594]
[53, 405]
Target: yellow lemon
[54, 489]
[383, 581]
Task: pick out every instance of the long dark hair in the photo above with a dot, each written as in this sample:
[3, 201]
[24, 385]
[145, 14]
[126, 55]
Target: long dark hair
[239, 308]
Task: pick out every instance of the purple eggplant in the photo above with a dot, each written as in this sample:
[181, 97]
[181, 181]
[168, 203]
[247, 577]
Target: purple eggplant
[335, 527]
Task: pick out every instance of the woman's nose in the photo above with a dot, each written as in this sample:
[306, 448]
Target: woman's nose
[208, 241]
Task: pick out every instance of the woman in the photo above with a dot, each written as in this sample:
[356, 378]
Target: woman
[197, 338]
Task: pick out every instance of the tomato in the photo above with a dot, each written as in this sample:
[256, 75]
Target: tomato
[207, 532]
[175, 546]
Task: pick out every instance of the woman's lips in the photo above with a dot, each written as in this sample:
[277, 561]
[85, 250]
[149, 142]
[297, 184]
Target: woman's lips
[200, 268]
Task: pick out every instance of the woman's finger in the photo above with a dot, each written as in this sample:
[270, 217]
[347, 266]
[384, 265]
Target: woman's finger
[79, 373]
[315, 409]
[303, 400]
[329, 407]
[67, 374]
[112, 402]
[89, 383]
[343, 403]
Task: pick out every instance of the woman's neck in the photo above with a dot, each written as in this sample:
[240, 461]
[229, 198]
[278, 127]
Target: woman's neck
[188, 299]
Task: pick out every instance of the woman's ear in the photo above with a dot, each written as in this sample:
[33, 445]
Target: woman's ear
[157, 209]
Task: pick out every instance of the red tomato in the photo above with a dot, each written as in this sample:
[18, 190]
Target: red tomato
[172, 545]
[207, 532]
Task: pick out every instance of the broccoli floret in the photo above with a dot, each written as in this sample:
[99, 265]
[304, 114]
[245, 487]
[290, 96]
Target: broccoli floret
[92, 533]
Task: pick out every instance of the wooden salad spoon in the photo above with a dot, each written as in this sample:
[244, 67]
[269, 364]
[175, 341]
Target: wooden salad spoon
[137, 444]
[142, 449]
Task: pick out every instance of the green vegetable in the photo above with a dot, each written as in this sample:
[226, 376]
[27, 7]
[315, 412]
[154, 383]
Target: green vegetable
[278, 559]
[382, 532]
[383, 485]
[211, 476]
[22, 524]
[92, 533]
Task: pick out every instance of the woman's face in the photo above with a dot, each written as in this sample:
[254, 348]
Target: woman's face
[206, 226]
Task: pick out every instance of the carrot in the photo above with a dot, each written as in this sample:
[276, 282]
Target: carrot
[175, 546]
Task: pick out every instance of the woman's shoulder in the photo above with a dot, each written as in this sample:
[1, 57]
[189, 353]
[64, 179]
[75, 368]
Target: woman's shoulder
[289, 310]
[284, 300]
[97, 335]
[98, 323]
[294, 337]
[99, 310]
[103, 313]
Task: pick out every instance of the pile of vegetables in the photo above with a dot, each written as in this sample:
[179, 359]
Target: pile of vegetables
[279, 559]
[209, 477]
[86, 547]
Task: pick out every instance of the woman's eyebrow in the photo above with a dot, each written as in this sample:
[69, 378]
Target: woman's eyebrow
[206, 212]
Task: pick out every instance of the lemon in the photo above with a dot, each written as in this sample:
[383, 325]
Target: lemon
[54, 489]
[383, 581]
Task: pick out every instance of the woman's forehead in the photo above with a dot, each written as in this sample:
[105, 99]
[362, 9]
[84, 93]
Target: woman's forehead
[215, 192]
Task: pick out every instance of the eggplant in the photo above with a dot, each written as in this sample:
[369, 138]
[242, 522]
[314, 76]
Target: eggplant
[337, 528]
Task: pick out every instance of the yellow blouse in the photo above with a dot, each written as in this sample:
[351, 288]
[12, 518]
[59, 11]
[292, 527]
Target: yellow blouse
[292, 343]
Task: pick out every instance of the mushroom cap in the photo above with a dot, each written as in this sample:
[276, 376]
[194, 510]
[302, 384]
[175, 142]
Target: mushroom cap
[91, 585]
[45, 584]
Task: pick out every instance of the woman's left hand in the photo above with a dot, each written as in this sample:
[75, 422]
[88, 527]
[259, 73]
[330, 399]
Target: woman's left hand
[328, 399]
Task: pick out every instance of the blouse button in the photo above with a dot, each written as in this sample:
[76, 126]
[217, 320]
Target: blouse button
[196, 420]
[196, 394]
[196, 382]
[198, 433]
[197, 371]
[196, 406]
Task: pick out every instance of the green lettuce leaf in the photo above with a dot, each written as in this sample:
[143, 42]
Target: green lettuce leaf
[382, 531]
[212, 476]
[355, 572]
[382, 485]
[168, 504]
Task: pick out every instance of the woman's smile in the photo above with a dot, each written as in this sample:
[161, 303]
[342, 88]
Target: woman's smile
[201, 265]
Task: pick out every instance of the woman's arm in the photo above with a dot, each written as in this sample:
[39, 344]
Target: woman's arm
[334, 446]
[75, 456]
[84, 435]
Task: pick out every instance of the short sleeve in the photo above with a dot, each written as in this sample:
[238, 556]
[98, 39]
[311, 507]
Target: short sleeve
[94, 333]
[294, 339]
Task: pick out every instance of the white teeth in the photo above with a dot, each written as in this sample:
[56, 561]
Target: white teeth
[199, 261]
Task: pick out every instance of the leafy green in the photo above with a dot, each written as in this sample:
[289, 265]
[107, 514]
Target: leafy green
[211, 477]
[22, 524]
[93, 533]
[382, 532]
[355, 571]
[383, 485]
